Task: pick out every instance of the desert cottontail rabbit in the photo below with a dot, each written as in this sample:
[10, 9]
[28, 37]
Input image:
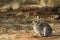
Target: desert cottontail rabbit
[41, 28]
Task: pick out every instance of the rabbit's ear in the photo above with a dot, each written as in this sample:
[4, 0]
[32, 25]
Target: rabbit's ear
[38, 18]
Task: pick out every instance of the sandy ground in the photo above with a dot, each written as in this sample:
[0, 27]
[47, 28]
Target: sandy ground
[23, 35]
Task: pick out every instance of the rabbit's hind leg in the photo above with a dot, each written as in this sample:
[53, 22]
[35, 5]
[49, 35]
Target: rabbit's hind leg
[45, 31]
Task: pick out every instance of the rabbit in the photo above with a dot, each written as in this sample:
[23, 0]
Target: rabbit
[41, 28]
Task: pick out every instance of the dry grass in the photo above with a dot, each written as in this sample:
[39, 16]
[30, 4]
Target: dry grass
[12, 29]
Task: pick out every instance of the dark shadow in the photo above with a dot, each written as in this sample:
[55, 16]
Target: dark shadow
[56, 36]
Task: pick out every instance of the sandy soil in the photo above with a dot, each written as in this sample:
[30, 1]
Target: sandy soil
[22, 35]
[29, 35]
